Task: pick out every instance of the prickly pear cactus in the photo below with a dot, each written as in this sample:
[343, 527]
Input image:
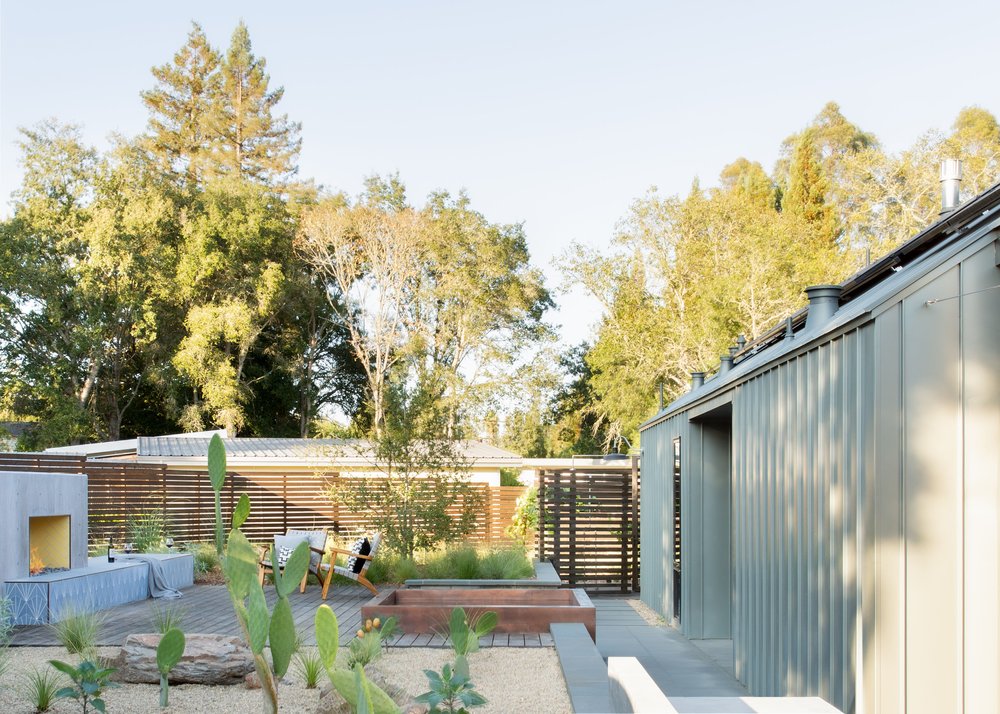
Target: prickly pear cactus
[168, 654]
[217, 474]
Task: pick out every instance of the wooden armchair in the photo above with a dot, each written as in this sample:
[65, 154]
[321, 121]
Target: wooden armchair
[353, 573]
[317, 546]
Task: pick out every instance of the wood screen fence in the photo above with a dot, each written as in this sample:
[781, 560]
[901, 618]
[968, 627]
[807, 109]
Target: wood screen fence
[120, 491]
[589, 526]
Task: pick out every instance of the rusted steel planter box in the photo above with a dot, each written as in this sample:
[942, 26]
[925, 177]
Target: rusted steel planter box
[518, 610]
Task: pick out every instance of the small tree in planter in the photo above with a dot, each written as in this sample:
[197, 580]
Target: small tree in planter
[425, 478]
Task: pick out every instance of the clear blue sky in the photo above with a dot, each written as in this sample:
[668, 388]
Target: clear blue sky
[554, 114]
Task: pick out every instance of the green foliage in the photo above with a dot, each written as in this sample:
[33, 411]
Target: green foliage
[77, 631]
[147, 529]
[424, 496]
[168, 654]
[510, 477]
[505, 564]
[39, 687]
[217, 475]
[524, 523]
[310, 667]
[465, 629]
[451, 691]
[206, 559]
[370, 641]
[242, 511]
[89, 683]
[167, 617]
[6, 620]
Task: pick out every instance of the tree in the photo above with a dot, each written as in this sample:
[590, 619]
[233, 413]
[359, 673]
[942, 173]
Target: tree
[249, 140]
[180, 107]
[232, 278]
[368, 260]
[422, 496]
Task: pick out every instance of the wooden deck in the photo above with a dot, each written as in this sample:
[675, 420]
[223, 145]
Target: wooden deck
[208, 610]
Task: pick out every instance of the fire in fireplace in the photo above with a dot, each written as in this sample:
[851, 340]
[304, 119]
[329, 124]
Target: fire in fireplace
[48, 544]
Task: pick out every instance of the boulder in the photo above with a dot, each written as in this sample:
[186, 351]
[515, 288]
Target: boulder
[208, 659]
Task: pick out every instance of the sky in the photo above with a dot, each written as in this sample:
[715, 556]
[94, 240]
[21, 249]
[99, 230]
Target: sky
[555, 114]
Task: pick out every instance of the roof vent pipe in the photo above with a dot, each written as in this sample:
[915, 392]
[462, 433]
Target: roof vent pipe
[951, 179]
[726, 365]
[697, 379]
[741, 341]
[823, 302]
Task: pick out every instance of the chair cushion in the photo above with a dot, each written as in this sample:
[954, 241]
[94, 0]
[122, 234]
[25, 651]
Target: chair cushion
[317, 539]
[362, 547]
[284, 546]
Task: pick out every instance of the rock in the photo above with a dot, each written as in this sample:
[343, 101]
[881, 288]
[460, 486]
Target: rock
[252, 681]
[208, 659]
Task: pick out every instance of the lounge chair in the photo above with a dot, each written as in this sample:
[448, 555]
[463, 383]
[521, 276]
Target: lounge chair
[352, 569]
[317, 546]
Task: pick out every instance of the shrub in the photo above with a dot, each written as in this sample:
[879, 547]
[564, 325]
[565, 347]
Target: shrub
[510, 477]
[77, 632]
[206, 561]
[89, 683]
[524, 524]
[39, 688]
[506, 564]
[146, 530]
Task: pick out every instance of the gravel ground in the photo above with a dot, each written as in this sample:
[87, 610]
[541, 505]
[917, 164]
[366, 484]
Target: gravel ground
[512, 680]
[651, 616]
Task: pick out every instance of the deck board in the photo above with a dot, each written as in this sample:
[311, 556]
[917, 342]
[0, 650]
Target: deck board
[207, 609]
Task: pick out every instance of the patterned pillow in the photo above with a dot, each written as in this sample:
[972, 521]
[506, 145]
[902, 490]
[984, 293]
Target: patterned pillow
[284, 553]
[284, 546]
[361, 547]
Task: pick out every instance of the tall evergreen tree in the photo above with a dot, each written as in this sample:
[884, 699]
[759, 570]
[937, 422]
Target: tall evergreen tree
[250, 141]
[180, 106]
[808, 189]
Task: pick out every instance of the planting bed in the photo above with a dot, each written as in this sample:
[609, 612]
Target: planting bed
[518, 610]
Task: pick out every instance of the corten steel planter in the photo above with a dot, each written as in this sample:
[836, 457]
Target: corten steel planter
[518, 610]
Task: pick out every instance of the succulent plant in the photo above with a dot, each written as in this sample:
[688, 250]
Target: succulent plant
[168, 654]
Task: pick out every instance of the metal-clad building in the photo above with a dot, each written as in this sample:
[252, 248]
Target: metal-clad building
[829, 499]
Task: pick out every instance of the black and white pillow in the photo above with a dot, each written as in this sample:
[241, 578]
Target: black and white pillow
[284, 553]
[360, 547]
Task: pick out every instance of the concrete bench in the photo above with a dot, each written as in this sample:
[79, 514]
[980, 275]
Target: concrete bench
[583, 668]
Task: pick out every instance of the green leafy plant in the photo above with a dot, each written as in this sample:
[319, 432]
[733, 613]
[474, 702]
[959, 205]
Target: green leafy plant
[168, 617]
[464, 630]
[363, 696]
[217, 475]
[89, 683]
[452, 691]
[77, 632]
[310, 667]
[168, 654]
[39, 687]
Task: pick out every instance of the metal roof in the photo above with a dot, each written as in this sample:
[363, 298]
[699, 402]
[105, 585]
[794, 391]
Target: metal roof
[865, 291]
[288, 449]
[123, 447]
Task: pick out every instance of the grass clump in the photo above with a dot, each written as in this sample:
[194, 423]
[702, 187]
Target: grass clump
[146, 530]
[310, 667]
[77, 632]
[167, 617]
[39, 688]
[506, 564]
[207, 564]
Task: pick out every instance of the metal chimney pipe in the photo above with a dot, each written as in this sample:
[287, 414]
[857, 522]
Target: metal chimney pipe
[741, 341]
[726, 364]
[951, 179]
[823, 302]
[733, 350]
[697, 379]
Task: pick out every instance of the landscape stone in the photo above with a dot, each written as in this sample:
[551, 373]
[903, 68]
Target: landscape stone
[208, 659]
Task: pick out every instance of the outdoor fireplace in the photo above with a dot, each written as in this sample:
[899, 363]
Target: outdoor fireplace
[43, 518]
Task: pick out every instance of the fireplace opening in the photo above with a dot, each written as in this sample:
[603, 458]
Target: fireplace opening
[48, 544]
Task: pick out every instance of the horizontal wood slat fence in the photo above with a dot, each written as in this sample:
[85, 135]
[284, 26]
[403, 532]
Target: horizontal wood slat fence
[589, 526]
[119, 491]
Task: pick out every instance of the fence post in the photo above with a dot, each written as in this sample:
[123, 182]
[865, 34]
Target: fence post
[541, 515]
[625, 532]
[635, 524]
